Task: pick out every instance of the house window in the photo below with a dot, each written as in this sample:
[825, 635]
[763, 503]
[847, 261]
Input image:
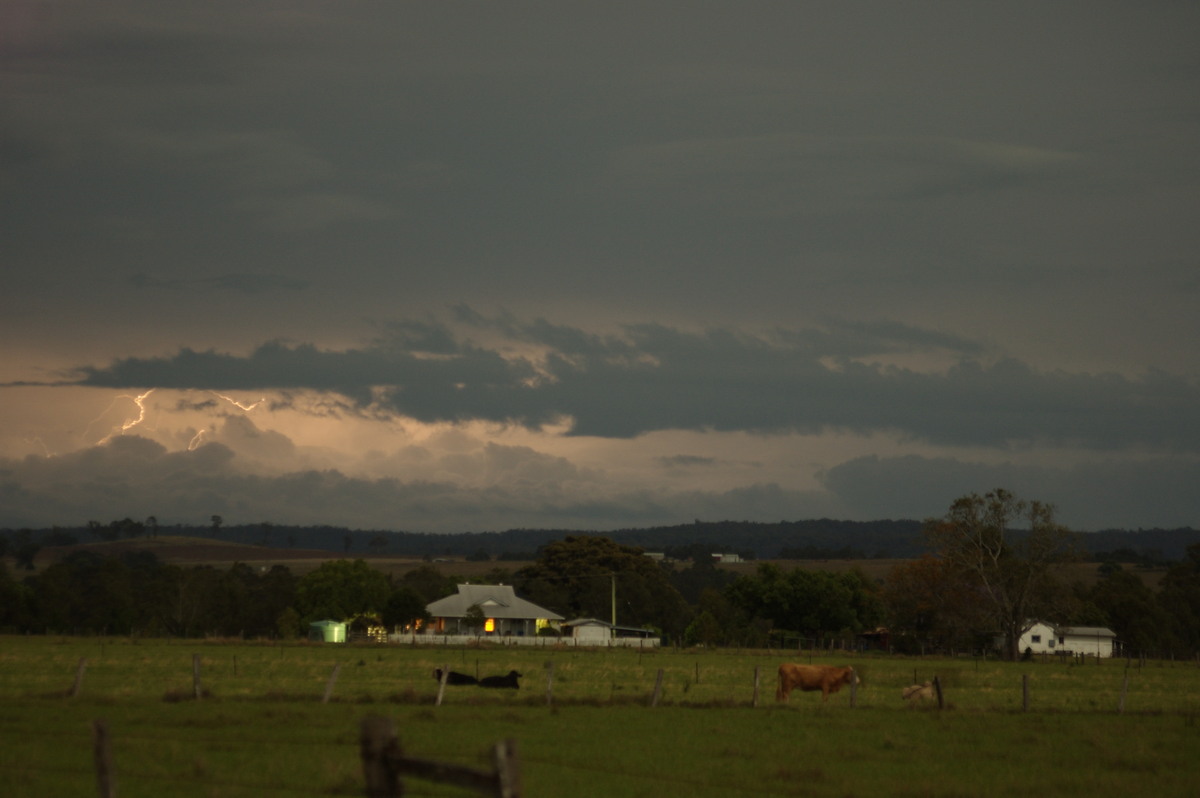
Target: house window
[1036, 638]
[489, 625]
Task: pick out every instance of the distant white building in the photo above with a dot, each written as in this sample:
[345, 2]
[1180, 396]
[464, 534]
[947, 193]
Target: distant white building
[718, 557]
[594, 632]
[1045, 638]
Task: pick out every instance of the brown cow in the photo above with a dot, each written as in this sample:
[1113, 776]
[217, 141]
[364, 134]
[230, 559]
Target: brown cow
[826, 678]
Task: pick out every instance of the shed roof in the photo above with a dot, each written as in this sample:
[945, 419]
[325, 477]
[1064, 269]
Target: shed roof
[1086, 631]
[576, 622]
[496, 601]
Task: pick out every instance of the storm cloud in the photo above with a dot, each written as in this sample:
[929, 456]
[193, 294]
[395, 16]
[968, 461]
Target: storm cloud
[449, 267]
[652, 378]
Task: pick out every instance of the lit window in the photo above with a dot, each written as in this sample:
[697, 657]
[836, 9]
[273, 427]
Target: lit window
[489, 625]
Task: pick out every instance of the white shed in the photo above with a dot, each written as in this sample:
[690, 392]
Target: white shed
[1045, 638]
[586, 630]
[1090, 641]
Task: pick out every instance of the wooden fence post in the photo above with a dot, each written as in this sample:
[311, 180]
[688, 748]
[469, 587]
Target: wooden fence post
[1025, 692]
[197, 688]
[937, 688]
[377, 746]
[549, 682]
[854, 691]
[437, 702]
[331, 682]
[75, 688]
[657, 689]
[508, 771]
[757, 670]
[102, 754]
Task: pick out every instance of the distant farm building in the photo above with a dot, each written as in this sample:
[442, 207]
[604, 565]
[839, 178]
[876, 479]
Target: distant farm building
[1088, 641]
[594, 632]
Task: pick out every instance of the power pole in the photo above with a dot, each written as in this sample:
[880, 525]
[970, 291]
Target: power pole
[613, 575]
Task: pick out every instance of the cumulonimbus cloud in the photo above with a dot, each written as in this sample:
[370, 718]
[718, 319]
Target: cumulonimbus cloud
[652, 377]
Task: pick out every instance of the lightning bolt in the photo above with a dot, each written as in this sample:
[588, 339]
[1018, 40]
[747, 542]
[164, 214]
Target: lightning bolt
[197, 439]
[45, 449]
[140, 401]
[238, 404]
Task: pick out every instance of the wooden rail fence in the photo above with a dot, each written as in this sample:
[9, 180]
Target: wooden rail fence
[384, 764]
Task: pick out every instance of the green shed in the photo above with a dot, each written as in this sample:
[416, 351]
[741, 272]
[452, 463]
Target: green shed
[327, 631]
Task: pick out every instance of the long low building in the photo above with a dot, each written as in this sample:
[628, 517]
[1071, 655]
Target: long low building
[1088, 641]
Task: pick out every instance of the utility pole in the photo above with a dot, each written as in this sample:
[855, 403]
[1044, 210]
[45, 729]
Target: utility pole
[613, 575]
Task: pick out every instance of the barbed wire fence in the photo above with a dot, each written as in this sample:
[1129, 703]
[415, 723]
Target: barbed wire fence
[385, 767]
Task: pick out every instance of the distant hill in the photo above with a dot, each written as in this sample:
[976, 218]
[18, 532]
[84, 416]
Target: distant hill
[810, 539]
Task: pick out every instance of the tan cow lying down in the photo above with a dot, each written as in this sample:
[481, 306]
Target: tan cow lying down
[826, 678]
[918, 692]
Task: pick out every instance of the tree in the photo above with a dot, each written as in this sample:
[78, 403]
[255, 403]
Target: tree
[931, 604]
[475, 619]
[25, 550]
[341, 589]
[578, 576]
[428, 583]
[1131, 610]
[404, 608]
[13, 599]
[812, 602]
[1009, 572]
[1179, 593]
[719, 622]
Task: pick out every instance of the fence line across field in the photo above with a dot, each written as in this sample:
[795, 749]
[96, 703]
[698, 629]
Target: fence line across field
[199, 692]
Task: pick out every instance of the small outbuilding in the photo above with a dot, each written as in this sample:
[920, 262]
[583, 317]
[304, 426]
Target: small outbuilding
[327, 631]
[1089, 641]
[585, 631]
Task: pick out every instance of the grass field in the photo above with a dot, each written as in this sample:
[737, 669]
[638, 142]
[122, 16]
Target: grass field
[262, 728]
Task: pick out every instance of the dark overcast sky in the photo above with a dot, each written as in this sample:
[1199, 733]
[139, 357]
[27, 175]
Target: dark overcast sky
[597, 264]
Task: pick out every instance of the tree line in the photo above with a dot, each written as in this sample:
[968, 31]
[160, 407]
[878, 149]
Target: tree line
[821, 538]
[993, 565]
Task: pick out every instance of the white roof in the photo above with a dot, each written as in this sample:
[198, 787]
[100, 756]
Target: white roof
[496, 601]
[1087, 631]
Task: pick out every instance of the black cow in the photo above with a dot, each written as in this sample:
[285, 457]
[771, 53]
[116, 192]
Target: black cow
[508, 680]
[454, 677]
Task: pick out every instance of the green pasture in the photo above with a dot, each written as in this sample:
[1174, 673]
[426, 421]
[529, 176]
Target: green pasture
[262, 728]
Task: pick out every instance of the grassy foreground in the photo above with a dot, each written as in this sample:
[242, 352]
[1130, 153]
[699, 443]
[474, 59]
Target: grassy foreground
[262, 728]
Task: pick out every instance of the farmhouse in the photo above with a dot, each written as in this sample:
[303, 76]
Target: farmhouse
[1090, 641]
[500, 613]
